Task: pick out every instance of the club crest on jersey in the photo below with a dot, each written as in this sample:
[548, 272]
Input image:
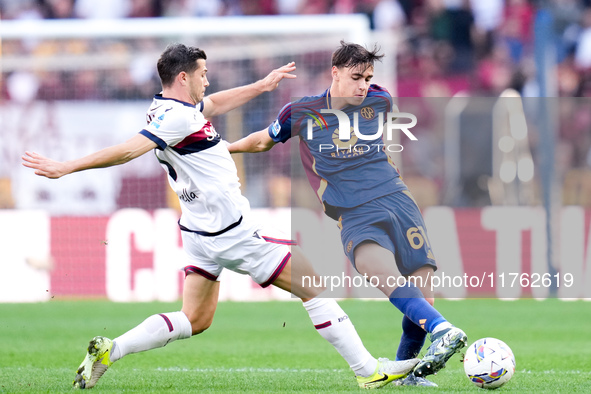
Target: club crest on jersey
[367, 113]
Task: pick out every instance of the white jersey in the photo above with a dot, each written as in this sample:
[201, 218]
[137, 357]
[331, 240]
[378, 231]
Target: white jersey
[199, 166]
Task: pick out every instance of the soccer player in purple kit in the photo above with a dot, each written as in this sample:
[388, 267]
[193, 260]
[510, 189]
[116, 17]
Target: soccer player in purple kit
[382, 229]
[216, 228]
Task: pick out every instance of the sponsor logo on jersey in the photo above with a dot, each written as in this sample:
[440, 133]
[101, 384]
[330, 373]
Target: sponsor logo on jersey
[187, 196]
[343, 144]
[209, 131]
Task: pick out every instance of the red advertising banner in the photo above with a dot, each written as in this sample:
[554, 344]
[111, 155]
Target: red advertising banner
[136, 255]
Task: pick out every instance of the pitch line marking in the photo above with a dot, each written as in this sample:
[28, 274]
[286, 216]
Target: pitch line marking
[320, 370]
[251, 370]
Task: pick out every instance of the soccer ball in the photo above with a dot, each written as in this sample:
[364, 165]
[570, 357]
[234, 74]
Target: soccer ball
[489, 363]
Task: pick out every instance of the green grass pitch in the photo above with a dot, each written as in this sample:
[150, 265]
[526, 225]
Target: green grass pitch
[273, 347]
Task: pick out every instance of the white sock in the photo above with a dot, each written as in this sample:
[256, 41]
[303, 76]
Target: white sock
[441, 326]
[334, 325]
[154, 332]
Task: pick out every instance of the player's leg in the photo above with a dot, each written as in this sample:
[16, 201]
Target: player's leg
[200, 297]
[405, 235]
[200, 300]
[379, 262]
[291, 278]
[418, 262]
[268, 260]
[333, 324]
[445, 338]
[413, 336]
[373, 260]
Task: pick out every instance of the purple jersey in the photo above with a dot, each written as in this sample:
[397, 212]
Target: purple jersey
[343, 172]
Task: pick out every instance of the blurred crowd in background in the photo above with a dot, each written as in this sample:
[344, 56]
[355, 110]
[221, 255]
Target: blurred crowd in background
[477, 47]
[482, 46]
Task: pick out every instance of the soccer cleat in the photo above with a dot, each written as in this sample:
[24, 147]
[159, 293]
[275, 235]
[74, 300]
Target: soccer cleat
[412, 380]
[95, 363]
[387, 371]
[444, 344]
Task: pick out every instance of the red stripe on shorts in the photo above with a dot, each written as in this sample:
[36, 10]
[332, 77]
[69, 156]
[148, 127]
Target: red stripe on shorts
[280, 241]
[278, 271]
[196, 270]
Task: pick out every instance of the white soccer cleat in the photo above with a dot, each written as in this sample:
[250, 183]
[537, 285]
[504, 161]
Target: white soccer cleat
[387, 371]
[95, 363]
[412, 380]
[444, 345]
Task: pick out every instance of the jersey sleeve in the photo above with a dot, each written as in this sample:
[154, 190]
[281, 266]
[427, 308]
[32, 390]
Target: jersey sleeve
[378, 91]
[280, 129]
[171, 125]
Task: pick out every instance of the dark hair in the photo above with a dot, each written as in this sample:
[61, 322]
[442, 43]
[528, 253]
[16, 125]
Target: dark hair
[177, 58]
[353, 55]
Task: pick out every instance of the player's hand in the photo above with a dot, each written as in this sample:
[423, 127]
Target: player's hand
[44, 166]
[271, 81]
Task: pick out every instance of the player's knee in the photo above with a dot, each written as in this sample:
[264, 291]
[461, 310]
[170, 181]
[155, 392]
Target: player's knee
[199, 323]
[199, 327]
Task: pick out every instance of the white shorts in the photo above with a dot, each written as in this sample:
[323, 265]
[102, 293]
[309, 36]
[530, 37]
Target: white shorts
[246, 248]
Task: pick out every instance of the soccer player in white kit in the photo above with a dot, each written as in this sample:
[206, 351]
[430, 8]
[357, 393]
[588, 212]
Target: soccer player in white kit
[217, 232]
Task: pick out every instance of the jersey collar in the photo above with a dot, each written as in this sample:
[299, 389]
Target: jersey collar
[159, 97]
[328, 97]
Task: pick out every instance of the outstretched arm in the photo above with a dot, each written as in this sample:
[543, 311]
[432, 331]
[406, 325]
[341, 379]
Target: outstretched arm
[112, 156]
[226, 100]
[259, 141]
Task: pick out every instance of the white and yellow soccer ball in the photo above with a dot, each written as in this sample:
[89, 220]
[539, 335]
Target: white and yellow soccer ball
[489, 363]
